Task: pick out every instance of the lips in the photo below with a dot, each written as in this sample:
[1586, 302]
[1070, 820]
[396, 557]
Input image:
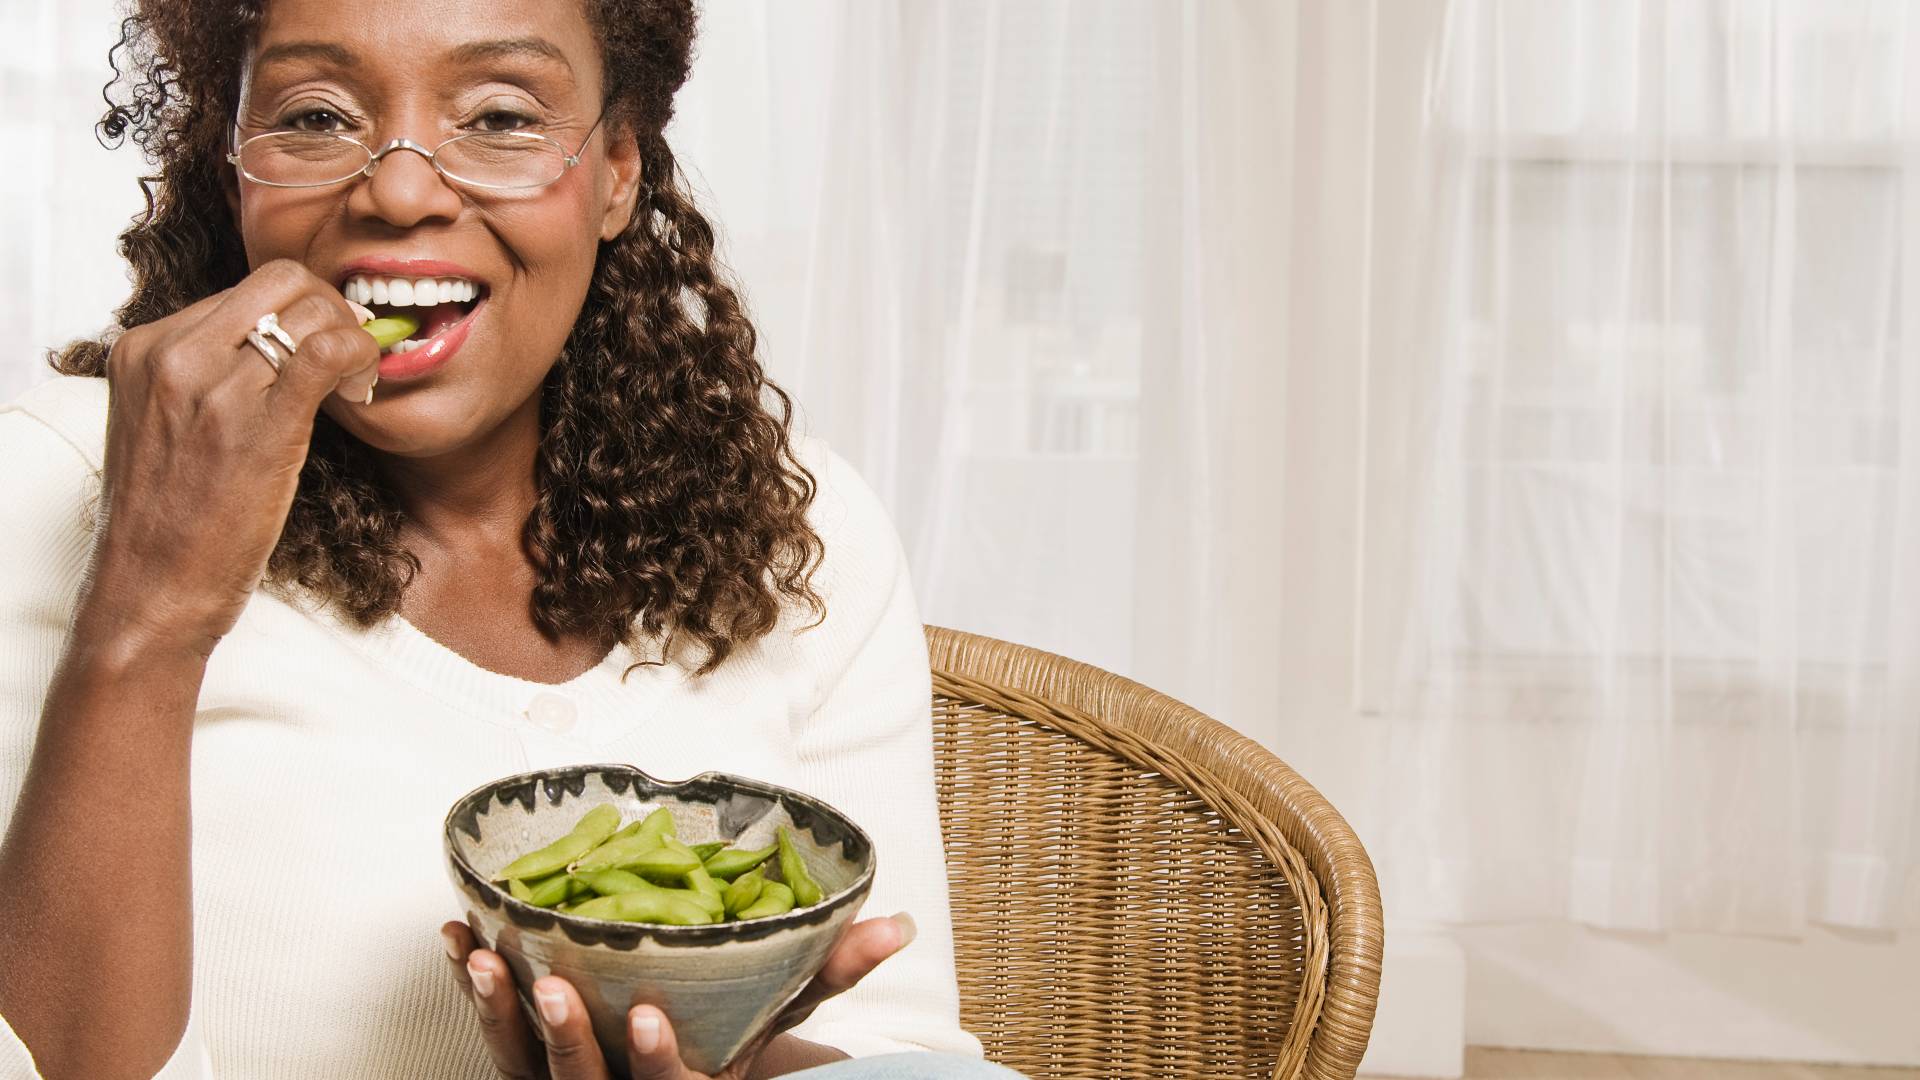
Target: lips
[444, 326]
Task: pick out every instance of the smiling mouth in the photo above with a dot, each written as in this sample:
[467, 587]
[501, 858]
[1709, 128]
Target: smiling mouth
[450, 302]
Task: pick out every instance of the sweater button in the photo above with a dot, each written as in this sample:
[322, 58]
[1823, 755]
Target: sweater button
[551, 711]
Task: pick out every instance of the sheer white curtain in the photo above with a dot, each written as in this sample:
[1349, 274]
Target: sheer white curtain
[1497, 408]
[1021, 262]
[1660, 671]
[63, 197]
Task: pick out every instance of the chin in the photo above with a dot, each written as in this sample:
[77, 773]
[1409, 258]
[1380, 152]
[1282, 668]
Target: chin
[408, 424]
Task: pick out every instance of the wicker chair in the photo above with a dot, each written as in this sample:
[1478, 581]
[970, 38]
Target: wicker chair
[1138, 891]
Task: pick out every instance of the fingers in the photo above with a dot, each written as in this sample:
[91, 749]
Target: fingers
[272, 286]
[859, 951]
[652, 1051]
[314, 313]
[572, 1053]
[341, 358]
[481, 972]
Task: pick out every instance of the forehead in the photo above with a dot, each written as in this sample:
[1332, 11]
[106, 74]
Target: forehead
[412, 38]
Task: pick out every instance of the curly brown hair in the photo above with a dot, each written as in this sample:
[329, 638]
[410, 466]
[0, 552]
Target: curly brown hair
[670, 498]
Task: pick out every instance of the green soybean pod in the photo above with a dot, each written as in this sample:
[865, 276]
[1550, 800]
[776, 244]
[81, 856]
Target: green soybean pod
[549, 891]
[743, 891]
[663, 866]
[702, 882]
[610, 882]
[657, 825]
[622, 836]
[733, 862]
[775, 899]
[706, 851]
[391, 330]
[616, 853]
[593, 827]
[710, 902]
[644, 905]
[518, 890]
[794, 872]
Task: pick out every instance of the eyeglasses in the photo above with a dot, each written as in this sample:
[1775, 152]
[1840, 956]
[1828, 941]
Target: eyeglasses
[490, 160]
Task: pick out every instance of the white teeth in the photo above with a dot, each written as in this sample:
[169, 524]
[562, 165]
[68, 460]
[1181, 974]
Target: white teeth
[417, 292]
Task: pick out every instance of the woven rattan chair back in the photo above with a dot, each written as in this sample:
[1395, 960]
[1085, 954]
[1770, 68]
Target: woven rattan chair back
[1139, 891]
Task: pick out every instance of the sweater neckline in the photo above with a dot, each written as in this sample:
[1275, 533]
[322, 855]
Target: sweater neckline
[410, 653]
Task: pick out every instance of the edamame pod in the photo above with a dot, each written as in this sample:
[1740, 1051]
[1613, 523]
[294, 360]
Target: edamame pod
[708, 898]
[391, 330]
[705, 884]
[657, 825]
[775, 899]
[610, 882]
[794, 872]
[549, 891]
[733, 862]
[742, 892]
[644, 905]
[615, 853]
[706, 851]
[519, 891]
[593, 827]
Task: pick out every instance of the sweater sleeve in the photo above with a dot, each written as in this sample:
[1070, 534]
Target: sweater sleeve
[867, 744]
[47, 488]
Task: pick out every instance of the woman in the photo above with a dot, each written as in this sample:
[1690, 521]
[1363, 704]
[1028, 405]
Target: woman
[256, 566]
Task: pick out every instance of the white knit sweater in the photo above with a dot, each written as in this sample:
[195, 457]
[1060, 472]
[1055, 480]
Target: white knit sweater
[325, 758]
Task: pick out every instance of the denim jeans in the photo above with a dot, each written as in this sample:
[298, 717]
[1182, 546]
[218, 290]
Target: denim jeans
[910, 1066]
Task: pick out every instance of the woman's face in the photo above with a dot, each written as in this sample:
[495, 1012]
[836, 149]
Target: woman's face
[427, 70]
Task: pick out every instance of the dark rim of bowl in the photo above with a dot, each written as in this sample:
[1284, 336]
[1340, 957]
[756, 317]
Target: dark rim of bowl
[570, 780]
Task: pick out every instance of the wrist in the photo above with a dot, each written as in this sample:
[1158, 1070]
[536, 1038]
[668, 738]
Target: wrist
[121, 637]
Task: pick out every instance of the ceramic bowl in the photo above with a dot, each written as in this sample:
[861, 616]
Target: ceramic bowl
[719, 984]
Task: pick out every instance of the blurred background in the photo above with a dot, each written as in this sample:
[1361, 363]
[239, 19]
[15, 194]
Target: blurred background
[1501, 410]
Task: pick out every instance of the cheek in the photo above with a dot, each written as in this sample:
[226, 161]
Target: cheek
[278, 223]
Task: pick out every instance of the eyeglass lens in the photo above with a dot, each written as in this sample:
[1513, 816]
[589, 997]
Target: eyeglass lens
[302, 158]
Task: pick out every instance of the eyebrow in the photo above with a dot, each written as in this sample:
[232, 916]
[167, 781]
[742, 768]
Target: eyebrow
[471, 53]
[503, 48]
[336, 55]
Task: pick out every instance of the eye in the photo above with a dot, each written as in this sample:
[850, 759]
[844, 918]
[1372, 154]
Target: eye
[504, 116]
[299, 119]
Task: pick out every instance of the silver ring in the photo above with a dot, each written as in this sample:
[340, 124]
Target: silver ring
[269, 325]
[264, 348]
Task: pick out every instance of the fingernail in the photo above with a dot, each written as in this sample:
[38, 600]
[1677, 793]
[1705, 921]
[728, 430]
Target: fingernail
[482, 980]
[360, 312]
[553, 1006]
[369, 393]
[452, 946]
[646, 1032]
[907, 929]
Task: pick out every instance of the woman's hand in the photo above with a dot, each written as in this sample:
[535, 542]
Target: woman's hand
[569, 1051]
[205, 445]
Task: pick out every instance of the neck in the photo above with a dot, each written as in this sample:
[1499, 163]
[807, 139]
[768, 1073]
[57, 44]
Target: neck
[480, 493]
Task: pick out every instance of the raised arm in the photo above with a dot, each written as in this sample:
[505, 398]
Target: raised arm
[203, 448]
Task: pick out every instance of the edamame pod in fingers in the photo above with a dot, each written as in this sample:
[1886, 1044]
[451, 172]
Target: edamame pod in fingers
[794, 872]
[391, 330]
[593, 827]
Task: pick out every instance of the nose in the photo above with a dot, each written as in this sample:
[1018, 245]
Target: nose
[405, 189]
